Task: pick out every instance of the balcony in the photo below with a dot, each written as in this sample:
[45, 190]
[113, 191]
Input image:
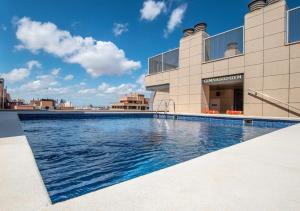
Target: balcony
[163, 62]
[293, 25]
[224, 45]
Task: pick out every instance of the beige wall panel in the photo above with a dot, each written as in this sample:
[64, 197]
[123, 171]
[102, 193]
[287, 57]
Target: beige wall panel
[254, 45]
[184, 43]
[184, 81]
[254, 33]
[294, 95]
[275, 40]
[184, 90]
[174, 73]
[195, 99]
[253, 109]
[183, 99]
[295, 65]
[207, 67]
[295, 50]
[274, 6]
[253, 21]
[254, 71]
[276, 54]
[275, 110]
[196, 89]
[221, 65]
[274, 27]
[254, 58]
[276, 68]
[236, 70]
[236, 62]
[276, 82]
[196, 51]
[183, 54]
[279, 94]
[207, 75]
[195, 60]
[195, 108]
[196, 39]
[195, 70]
[195, 79]
[294, 110]
[253, 83]
[174, 90]
[253, 13]
[274, 14]
[221, 73]
[295, 80]
[183, 72]
[184, 62]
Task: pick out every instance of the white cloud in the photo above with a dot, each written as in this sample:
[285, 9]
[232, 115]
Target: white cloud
[120, 28]
[19, 74]
[55, 71]
[97, 57]
[88, 91]
[152, 9]
[69, 77]
[141, 80]
[175, 19]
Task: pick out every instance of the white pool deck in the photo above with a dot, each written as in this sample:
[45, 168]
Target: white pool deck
[260, 174]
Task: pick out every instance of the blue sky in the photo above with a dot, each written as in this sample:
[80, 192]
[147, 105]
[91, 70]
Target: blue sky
[91, 52]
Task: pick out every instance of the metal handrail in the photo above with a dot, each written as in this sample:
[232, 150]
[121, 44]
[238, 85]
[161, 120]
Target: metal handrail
[167, 101]
[268, 96]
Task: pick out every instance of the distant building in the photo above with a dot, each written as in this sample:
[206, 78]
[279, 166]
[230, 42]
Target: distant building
[132, 102]
[4, 95]
[19, 104]
[65, 105]
[47, 104]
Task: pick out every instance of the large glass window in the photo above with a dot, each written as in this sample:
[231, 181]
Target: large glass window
[293, 25]
[164, 61]
[226, 44]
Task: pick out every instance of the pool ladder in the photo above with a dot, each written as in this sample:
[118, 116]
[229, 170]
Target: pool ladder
[165, 102]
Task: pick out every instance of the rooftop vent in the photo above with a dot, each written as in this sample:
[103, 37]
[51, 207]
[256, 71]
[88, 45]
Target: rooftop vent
[200, 27]
[256, 5]
[188, 32]
[272, 1]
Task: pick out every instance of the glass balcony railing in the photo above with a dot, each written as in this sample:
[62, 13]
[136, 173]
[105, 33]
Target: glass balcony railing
[293, 25]
[223, 45]
[163, 62]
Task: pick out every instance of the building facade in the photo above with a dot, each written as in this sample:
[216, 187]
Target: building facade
[47, 104]
[132, 102]
[5, 98]
[253, 69]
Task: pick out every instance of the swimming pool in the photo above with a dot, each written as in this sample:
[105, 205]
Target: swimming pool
[79, 155]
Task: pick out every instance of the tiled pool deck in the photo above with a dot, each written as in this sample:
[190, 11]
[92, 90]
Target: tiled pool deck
[260, 174]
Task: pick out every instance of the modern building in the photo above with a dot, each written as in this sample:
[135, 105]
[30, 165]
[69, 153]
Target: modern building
[132, 102]
[4, 95]
[65, 105]
[253, 69]
[47, 104]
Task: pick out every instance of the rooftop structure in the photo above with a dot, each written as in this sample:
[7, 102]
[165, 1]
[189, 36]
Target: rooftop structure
[134, 101]
[253, 69]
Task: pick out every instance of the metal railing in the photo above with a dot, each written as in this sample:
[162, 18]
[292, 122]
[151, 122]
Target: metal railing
[293, 25]
[226, 44]
[256, 93]
[166, 104]
[163, 62]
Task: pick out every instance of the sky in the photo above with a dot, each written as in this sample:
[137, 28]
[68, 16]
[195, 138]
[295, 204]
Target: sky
[94, 51]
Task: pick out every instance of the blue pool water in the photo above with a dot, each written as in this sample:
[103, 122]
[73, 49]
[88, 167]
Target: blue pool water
[77, 156]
